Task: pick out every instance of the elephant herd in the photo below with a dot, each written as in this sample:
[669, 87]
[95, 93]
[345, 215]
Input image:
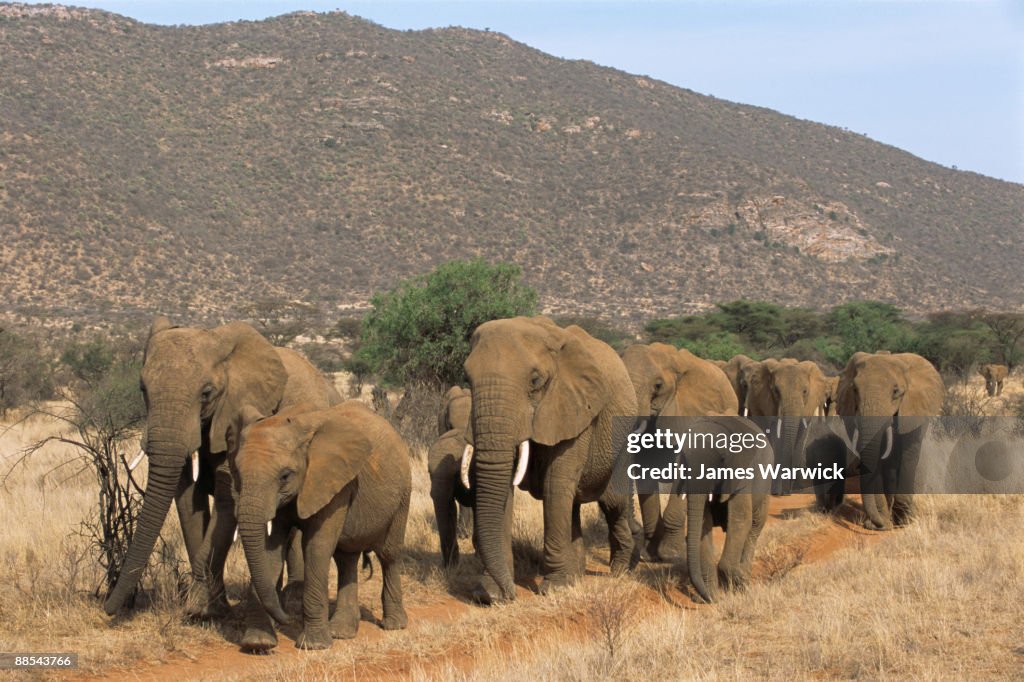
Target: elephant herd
[304, 478]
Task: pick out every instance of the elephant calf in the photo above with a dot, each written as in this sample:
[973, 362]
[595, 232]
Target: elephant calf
[345, 472]
[453, 502]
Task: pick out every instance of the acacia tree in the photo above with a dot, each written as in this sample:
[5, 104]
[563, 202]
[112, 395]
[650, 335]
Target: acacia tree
[419, 332]
[1008, 330]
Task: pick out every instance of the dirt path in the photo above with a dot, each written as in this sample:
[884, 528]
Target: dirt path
[226, 659]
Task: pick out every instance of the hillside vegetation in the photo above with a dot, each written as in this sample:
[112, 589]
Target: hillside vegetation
[192, 170]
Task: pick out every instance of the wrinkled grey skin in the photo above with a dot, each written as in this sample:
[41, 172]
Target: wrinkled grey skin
[735, 506]
[343, 475]
[453, 503]
[196, 384]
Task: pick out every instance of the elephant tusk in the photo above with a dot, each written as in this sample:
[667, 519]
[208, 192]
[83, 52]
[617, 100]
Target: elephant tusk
[135, 462]
[467, 457]
[888, 442]
[235, 538]
[817, 411]
[746, 411]
[641, 428]
[856, 437]
[778, 428]
[195, 466]
[804, 422]
[524, 459]
[270, 526]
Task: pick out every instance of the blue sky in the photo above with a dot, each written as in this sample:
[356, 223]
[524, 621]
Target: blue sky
[943, 79]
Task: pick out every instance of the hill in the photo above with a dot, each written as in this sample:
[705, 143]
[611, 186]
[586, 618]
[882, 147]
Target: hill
[321, 157]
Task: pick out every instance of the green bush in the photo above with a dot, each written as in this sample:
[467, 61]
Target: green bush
[418, 333]
[25, 374]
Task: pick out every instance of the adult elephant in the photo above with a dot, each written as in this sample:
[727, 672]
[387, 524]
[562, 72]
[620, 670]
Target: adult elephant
[994, 375]
[342, 474]
[672, 383]
[794, 392]
[453, 502]
[890, 397]
[196, 384]
[734, 370]
[563, 400]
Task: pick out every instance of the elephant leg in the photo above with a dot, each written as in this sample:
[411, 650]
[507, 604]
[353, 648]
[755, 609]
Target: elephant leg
[758, 517]
[623, 531]
[318, 547]
[193, 506]
[741, 517]
[876, 506]
[558, 555]
[259, 632]
[446, 513]
[345, 621]
[389, 555]
[578, 565]
[465, 527]
[214, 551]
[650, 515]
[294, 560]
[672, 546]
[708, 568]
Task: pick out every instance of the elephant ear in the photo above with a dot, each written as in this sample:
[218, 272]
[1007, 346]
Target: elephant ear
[246, 416]
[925, 391]
[160, 323]
[846, 403]
[576, 392]
[338, 450]
[253, 375]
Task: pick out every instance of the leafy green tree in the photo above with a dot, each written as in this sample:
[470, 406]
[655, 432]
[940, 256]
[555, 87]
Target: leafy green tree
[88, 361]
[1008, 332]
[716, 346]
[758, 323]
[419, 331]
[869, 326]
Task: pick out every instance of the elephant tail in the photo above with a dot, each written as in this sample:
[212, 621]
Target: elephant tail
[367, 565]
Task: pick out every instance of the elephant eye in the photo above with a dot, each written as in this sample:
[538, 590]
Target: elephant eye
[207, 393]
[286, 476]
[658, 385]
[536, 380]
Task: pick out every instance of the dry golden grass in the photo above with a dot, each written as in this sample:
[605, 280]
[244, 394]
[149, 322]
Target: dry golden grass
[940, 599]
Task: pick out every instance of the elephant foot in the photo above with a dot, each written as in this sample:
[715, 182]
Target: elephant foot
[487, 593]
[871, 525]
[258, 639]
[671, 549]
[291, 596]
[314, 639]
[552, 582]
[395, 620]
[344, 627]
[200, 606]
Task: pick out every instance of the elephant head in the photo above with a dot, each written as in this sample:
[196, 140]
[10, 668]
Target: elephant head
[734, 371]
[674, 382]
[455, 410]
[797, 389]
[889, 393]
[195, 382]
[755, 377]
[531, 381]
[301, 455]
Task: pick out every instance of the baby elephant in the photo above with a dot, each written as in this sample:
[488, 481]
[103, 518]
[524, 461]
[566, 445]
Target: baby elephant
[345, 472]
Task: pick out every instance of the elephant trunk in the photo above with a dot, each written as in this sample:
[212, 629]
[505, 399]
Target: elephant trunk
[497, 430]
[694, 530]
[167, 456]
[790, 412]
[252, 524]
[872, 478]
